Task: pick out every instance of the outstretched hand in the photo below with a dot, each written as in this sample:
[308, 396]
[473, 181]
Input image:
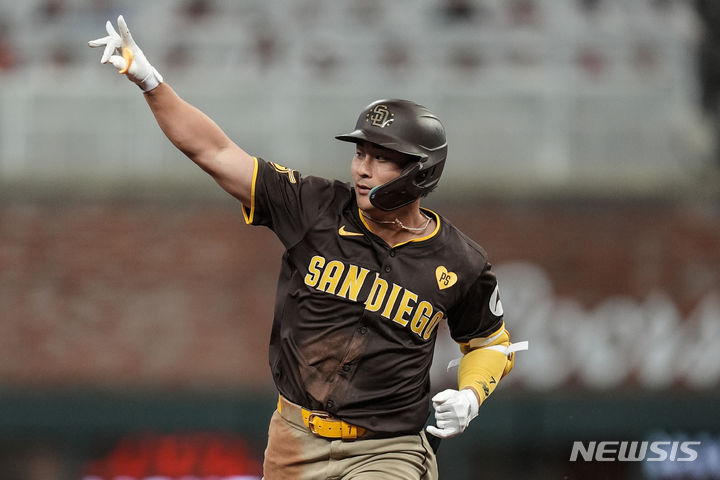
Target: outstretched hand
[122, 52]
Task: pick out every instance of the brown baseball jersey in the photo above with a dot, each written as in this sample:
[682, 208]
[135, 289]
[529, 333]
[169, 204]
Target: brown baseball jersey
[355, 319]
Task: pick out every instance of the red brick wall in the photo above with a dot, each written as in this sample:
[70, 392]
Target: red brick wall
[595, 250]
[153, 294]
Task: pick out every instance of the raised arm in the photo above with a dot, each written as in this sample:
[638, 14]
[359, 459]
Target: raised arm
[198, 137]
[189, 129]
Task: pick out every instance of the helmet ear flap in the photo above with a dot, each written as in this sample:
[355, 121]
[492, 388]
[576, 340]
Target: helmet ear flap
[430, 177]
[398, 192]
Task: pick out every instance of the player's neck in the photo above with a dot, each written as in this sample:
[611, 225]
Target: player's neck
[401, 225]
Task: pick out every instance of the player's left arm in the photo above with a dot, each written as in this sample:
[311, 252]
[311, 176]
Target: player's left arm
[485, 361]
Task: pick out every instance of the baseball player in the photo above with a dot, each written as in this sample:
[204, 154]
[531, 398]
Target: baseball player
[367, 276]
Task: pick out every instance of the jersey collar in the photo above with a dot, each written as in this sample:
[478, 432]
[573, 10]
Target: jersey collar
[412, 240]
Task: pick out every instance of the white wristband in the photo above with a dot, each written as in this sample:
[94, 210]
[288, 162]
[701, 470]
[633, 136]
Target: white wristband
[151, 81]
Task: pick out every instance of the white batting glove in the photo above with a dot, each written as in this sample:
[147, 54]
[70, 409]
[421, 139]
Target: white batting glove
[453, 412]
[116, 52]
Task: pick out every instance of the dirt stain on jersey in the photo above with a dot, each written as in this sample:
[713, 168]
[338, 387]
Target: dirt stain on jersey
[322, 372]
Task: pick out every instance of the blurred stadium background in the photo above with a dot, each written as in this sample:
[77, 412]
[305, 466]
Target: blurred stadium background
[135, 305]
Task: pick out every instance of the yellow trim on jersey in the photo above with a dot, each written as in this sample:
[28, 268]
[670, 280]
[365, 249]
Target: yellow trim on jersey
[362, 219]
[495, 338]
[249, 217]
[432, 234]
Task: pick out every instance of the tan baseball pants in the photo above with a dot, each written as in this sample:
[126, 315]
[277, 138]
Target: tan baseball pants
[295, 453]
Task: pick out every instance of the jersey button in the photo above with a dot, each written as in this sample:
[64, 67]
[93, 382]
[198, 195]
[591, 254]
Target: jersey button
[330, 404]
[392, 253]
[363, 330]
[388, 268]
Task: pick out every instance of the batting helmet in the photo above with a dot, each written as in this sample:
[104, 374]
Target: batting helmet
[409, 128]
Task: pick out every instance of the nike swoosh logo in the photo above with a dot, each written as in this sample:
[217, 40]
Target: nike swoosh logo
[345, 233]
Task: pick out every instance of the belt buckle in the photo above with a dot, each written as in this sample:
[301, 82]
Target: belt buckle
[313, 415]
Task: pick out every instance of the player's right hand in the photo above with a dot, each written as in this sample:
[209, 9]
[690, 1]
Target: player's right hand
[139, 69]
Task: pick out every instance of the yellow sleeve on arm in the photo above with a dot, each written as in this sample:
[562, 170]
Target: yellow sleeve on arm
[482, 366]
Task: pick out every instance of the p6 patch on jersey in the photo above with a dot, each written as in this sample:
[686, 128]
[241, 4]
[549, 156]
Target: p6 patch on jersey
[445, 279]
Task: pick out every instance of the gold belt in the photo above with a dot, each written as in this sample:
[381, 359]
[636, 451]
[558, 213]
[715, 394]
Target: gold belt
[320, 423]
